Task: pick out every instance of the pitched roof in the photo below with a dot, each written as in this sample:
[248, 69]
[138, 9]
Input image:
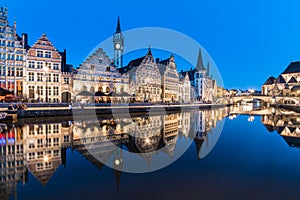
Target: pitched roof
[270, 128]
[295, 88]
[269, 81]
[167, 61]
[292, 141]
[280, 79]
[131, 64]
[118, 29]
[162, 68]
[292, 129]
[293, 80]
[294, 67]
[136, 62]
[200, 65]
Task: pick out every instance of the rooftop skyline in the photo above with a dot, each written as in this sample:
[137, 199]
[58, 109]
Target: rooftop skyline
[245, 39]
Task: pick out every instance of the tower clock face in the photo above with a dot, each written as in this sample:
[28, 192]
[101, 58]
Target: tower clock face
[118, 46]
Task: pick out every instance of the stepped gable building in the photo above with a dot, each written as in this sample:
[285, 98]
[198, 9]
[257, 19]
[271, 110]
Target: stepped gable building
[169, 80]
[144, 79]
[12, 55]
[98, 75]
[286, 84]
[45, 147]
[12, 162]
[45, 79]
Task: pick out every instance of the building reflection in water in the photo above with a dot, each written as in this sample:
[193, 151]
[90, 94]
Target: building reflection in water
[40, 148]
[287, 124]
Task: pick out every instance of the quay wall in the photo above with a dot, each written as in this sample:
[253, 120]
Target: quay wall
[36, 112]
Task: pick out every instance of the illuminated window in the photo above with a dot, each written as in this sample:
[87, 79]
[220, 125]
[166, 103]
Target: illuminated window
[30, 76]
[48, 54]
[40, 154]
[48, 165]
[66, 81]
[56, 153]
[55, 66]
[66, 138]
[55, 128]
[39, 65]
[92, 90]
[55, 91]
[31, 156]
[31, 64]
[39, 53]
[40, 130]
[39, 166]
[39, 77]
[40, 143]
[56, 78]
[56, 142]
[40, 90]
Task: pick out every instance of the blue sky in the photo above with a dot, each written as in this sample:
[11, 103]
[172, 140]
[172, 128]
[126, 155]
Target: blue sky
[248, 40]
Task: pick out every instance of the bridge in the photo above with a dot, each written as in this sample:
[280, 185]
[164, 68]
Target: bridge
[267, 99]
[266, 111]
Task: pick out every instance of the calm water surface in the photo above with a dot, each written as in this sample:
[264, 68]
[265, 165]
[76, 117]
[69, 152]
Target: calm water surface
[252, 157]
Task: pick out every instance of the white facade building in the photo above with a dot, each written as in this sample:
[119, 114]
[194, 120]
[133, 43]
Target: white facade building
[43, 72]
[12, 55]
[98, 74]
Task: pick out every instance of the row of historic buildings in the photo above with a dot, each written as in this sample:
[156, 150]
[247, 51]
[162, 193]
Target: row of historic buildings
[144, 79]
[40, 148]
[286, 84]
[37, 72]
[40, 73]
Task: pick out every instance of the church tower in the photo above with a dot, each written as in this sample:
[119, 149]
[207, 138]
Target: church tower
[200, 79]
[118, 41]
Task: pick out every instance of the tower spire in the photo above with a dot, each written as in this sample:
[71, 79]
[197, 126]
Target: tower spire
[118, 29]
[208, 69]
[200, 65]
[118, 41]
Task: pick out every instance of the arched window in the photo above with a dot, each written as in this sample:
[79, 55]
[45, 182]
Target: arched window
[107, 89]
[84, 88]
[92, 90]
[100, 89]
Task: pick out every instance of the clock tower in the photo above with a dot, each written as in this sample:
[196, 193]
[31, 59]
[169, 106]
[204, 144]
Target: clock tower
[118, 41]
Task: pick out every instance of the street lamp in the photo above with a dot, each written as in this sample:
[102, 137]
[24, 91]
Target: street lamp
[46, 79]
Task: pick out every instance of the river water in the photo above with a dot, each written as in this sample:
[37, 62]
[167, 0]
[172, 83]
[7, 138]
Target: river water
[203, 154]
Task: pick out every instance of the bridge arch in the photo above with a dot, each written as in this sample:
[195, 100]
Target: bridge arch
[224, 100]
[288, 100]
[238, 99]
